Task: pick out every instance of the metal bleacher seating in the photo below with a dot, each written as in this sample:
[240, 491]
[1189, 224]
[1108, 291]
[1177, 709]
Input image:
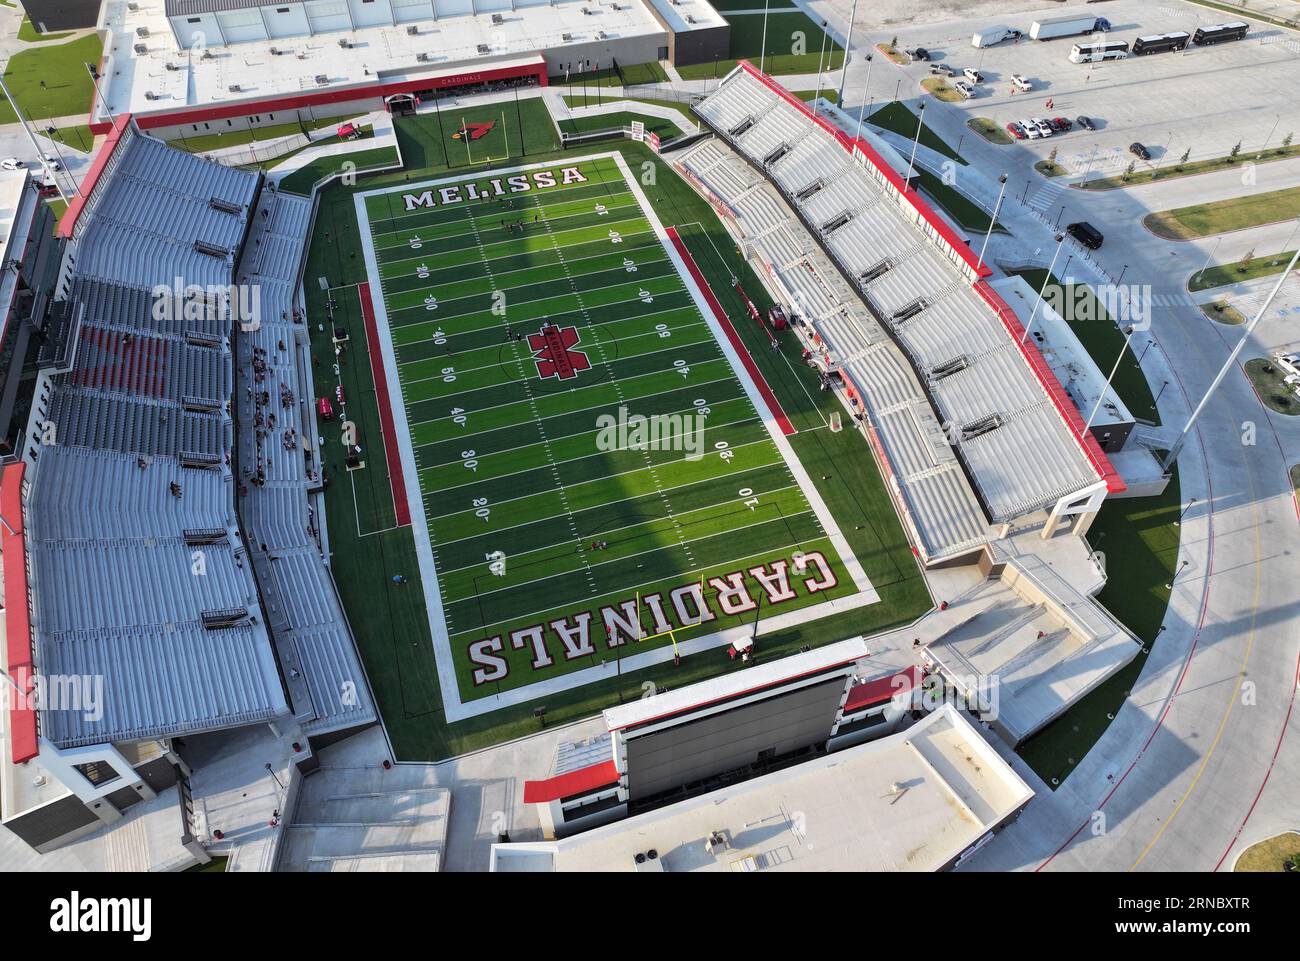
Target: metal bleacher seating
[1031, 459]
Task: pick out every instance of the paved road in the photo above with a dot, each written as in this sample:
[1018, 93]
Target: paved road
[1202, 760]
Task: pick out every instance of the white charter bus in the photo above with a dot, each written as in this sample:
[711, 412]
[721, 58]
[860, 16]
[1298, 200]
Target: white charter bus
[1094, 50]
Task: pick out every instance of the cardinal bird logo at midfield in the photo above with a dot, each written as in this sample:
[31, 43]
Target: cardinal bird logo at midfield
[473, 131]
[554, 354]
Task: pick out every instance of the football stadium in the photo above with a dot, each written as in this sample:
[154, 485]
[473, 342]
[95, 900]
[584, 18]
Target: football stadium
[556, 447]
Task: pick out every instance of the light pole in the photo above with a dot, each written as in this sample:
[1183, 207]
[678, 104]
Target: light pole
[997, 208]
[30, 136]
[1190, 502]
[762, 49]
[1277, 119]
[1060, 242]
[1210, 257]
[1287, 246]
[1120, 280]
[1128, 334]
[848, 52]
[866, 90]
[1227, 365]
[821, 56]
[920, 113]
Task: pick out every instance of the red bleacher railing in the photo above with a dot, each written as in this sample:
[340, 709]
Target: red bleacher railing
[24, 738]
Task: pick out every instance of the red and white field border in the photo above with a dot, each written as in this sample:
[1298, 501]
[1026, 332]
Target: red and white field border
[454, 707]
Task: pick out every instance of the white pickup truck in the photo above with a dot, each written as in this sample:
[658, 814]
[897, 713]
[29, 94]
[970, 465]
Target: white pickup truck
[1020, 83]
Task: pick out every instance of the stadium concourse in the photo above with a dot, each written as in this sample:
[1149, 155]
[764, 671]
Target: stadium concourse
[185, 599]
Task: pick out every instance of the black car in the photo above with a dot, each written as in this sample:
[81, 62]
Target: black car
[920, 53]
[1086, 123]
[1086, 234]
[1139, 151]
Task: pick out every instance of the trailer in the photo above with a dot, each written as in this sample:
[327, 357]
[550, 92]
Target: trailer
[994, 35]
[1053, 27]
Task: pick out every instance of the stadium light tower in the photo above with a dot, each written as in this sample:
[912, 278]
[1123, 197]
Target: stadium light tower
[1060, 241]
[848, 52]
[866, 90]
[997, 208]
[911, 163]
[821, 58]
[1228, 364]
[762, 45]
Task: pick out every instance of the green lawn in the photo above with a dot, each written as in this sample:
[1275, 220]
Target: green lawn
[622, 120]
[682, 108]
[637, 73]
[67, 91]
[302, 179]
[723, 6]
[27, 33]
[1170, 171]
[989, 130]
[1101, 338]
[237, 138]
[390, 621]
[1139, 542]
[897, 118]
[1236, 213]
[1221, 312]
[787, 33]
[966, 212]
[1271, 855]
[1269, 386]
[1222, 274]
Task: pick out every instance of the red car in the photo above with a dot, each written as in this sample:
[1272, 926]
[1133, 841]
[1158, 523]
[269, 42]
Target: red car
[1061, 124]
[1016, 130]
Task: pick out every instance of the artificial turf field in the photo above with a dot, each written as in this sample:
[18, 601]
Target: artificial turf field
[520, 330]
[367, 545]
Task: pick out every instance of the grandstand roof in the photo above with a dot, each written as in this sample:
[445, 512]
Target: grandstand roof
[1003, 410]
[912, 801]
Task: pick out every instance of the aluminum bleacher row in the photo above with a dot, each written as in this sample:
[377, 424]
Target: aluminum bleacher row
[139, 574]
[1018, 444]
[311, 632]
[938, 505]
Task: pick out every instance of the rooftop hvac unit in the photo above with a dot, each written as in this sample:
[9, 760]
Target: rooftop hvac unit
[602, 35]
[690, 18]
[345, 43]
[142, 31]
[141, 49]
[422, 58]
[412, 31]
[586, 12]
[484, 49]
[133, 7]
[498, 19]
[208, 55]
[566, 37]
[275, 52]
[172, 66]
[233, 88]
[322, 79]
[150, 95]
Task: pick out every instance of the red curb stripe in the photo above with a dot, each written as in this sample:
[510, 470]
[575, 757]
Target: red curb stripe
[396, 482]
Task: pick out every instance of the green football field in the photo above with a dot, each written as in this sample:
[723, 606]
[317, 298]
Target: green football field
[527, 318]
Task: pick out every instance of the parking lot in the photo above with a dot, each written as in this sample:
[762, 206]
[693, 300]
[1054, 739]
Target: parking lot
[1204, 99]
